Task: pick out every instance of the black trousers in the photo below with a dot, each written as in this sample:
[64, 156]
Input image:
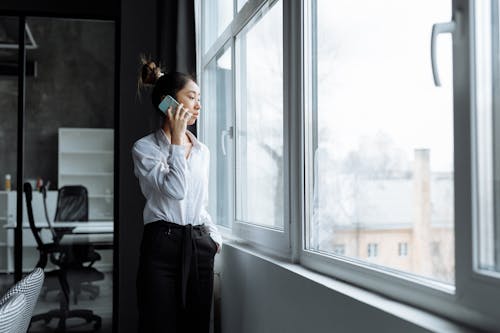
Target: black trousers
[175, 278]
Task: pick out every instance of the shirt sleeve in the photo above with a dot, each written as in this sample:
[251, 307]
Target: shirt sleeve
[204, 215]
[167, 176]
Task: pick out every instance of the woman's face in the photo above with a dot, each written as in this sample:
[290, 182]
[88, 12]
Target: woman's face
[189, 96]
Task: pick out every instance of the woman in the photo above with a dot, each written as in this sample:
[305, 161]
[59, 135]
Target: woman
[175, 276]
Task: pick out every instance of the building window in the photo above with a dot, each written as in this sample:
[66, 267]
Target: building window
[372, 250]
[339, 249]
[403, 249]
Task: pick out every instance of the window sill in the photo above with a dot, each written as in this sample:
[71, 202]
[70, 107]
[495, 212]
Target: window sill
[415, 316]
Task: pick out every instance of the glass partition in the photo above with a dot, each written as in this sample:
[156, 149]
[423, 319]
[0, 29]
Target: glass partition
[9, 27]
[69, 152]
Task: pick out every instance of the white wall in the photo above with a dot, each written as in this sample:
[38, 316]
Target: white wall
[258, 296]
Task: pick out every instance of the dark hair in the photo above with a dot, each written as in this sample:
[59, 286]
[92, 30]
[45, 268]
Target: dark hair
[163, 83]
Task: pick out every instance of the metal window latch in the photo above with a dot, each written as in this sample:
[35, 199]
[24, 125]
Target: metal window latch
[441, 28]
[223, 134]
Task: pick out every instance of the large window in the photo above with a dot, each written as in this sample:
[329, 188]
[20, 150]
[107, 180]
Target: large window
[382, 139]
[335, 145]
[217, 79]
[259, 146]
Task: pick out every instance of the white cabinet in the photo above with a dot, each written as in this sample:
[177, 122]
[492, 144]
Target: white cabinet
[86, 158]
[8, 215]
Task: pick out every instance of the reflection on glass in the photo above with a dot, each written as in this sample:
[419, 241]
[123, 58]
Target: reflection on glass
[217, 14]
[69, 153]
[259, 135]
[487, 65]
[217, 109]
[8, 146]
[383, 137]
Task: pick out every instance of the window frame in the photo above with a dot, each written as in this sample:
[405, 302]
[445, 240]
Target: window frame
[472, 299]
[275, 242]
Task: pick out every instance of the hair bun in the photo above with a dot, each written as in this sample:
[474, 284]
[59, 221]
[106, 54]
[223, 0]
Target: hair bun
[150, 73]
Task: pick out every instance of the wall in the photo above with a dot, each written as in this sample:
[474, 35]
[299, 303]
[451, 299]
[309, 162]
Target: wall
[73, 88]
[138, 26]
[258, 296]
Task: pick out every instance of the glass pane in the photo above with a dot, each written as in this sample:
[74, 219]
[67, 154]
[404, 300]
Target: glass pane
[69, 153]
[488, 125]
[9, 28]
[217, 14]
[259, 135]
[382, 136]
[241, 3]
[217, 84]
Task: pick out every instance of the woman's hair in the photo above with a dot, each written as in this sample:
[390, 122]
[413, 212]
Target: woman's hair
[150, 74]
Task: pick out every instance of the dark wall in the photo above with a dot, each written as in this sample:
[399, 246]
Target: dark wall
[138, 35]
[73, 88]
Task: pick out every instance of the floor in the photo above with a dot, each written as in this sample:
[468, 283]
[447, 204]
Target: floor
[101, 306]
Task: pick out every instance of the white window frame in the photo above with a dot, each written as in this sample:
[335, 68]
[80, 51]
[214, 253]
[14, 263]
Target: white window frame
[276, 242]
[473, 300]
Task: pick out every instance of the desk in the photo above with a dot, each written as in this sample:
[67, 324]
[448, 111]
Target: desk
[97, 233]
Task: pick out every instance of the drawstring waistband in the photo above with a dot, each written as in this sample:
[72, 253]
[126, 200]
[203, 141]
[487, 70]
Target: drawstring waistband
[188, 247]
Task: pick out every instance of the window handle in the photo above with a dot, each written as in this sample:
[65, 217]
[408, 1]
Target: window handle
[440, 28]
[223, 135]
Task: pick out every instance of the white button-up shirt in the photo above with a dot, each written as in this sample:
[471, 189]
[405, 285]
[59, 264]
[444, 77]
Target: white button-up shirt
[176, 188]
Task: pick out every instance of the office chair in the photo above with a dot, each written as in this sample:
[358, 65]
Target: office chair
[11, 313]
[29, 286]
[73, 206]
[66, 272]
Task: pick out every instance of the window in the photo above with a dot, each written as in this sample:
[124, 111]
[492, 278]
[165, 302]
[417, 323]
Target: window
[243, 122]
[217, 15]
[330, 106]
[259, 134]
[402, 249]
[372, 250]
[339, 249]
[390, 175]
[217, 79]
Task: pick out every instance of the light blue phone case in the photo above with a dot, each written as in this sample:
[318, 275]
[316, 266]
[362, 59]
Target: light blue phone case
[167, 102]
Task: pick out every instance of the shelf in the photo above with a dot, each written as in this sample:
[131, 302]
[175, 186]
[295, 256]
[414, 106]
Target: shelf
[86, 157]
[87, 152]
[86, 174]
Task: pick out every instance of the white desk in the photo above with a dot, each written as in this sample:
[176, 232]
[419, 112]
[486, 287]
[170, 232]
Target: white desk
[91, 227]
[98, 232]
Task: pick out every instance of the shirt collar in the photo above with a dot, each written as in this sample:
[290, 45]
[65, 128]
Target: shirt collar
[162, 138]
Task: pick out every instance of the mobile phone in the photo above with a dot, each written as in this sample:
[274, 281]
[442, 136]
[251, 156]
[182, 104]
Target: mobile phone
[167, 102]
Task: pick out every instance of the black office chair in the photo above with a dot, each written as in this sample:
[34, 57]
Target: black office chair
[73, 206]
[66, 273]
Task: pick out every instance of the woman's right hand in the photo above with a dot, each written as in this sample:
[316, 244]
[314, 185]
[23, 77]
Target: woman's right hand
[178, 123]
